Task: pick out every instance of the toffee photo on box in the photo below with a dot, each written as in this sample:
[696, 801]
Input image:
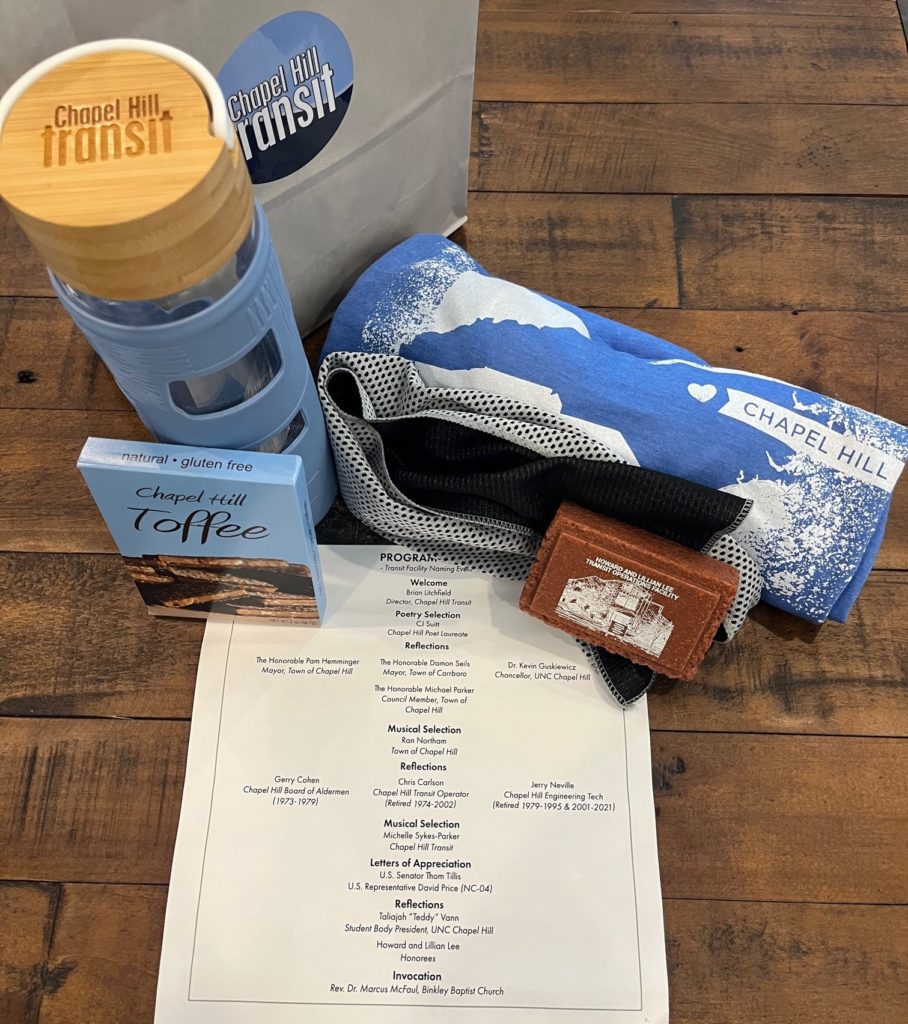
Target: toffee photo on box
[267, 588]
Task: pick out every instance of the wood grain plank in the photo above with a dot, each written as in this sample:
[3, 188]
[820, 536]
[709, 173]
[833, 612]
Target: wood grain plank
[590, 56]
[778, 963]
[46, 363]
[27, 911]
[858, 358]
[791, 818]
[108, 941]
[89, 800]
[44, 504]
[61, 657]
[696, 148]
[781, 674]
[96, 800]
[813, 8]
[22, 271]
[627, 240]
[77, 640]
[775, 252]
[728, 961]
[894, 551]
[580, 248]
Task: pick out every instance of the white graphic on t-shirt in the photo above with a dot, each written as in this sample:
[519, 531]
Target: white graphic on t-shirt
[837, 448]
[445, 292]
[799, 531]
[821, 494]
[617, 608]
[474, 296]
[702, 392]
[484, 378]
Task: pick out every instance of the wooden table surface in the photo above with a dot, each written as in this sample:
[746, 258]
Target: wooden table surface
[730, 174]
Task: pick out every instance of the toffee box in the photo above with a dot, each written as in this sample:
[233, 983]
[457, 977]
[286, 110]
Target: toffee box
[206, 530]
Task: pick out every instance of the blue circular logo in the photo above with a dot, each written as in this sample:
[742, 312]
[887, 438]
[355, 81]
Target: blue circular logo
[287, 88]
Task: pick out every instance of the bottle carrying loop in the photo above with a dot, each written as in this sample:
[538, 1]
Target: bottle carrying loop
[221, 125]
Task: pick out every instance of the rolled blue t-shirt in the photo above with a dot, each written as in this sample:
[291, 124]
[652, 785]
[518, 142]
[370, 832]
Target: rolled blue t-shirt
[820, 472]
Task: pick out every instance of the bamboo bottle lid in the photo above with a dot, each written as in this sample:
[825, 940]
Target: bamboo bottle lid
[109, 164]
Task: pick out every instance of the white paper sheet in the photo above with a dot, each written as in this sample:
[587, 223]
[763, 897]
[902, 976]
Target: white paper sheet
[427, 810]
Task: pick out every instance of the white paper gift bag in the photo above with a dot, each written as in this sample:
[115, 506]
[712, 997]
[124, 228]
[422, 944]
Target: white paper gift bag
[354, 115]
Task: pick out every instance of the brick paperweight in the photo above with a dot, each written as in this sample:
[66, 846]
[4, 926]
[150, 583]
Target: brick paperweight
[630, 591]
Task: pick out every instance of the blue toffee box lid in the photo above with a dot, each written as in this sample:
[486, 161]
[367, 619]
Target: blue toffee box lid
[209, 530]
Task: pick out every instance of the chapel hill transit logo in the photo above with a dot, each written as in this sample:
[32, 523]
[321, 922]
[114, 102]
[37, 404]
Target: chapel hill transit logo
[127, 126]
[287, 87]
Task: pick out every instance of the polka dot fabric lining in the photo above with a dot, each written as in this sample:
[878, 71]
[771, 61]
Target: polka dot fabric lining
[750, 585]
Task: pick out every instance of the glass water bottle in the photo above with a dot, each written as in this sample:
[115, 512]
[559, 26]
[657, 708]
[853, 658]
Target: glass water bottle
[120, 163]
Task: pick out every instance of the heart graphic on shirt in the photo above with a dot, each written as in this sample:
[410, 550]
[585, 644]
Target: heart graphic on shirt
[702, 392]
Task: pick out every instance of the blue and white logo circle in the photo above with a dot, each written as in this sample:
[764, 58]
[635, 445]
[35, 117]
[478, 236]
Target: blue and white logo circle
[288, 87]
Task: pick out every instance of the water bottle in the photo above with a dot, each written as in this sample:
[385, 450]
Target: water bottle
[119, 161]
